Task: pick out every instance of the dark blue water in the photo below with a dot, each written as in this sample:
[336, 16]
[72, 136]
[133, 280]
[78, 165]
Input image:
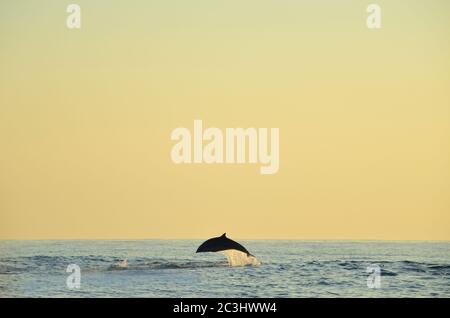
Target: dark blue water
[170, 268]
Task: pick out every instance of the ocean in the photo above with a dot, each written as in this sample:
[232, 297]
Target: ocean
[171, 268]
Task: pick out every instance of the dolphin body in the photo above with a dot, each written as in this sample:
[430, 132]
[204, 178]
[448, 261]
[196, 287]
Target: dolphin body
[221, 243]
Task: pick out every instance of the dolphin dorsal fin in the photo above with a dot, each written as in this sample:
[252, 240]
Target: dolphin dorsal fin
[224, 235]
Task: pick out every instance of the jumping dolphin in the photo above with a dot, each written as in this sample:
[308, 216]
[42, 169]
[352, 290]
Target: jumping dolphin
[221, 243]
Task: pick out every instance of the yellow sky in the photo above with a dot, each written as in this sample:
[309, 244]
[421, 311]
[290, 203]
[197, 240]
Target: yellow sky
[86, 117]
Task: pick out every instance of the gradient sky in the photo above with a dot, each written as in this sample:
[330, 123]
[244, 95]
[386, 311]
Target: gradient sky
[86, 117]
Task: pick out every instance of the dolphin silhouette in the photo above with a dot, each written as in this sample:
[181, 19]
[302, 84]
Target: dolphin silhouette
[221, 243]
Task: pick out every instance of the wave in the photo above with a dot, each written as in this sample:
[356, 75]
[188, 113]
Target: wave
[99, 263]
[94, 263]
[178, 265]
[388, 268]
[164, 264]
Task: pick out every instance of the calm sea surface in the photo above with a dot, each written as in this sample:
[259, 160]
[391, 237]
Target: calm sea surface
[170, 268]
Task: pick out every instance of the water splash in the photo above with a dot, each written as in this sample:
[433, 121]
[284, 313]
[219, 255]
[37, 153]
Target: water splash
[120, 265]
[238, 258]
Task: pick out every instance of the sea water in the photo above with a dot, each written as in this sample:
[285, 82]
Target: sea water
[171, 268]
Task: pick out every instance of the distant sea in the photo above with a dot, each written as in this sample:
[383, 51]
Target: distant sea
[171, 268]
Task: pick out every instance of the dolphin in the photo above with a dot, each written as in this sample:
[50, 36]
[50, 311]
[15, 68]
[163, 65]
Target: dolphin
[221, 243]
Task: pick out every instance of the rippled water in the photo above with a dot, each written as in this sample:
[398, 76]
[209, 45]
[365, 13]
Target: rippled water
[170, 268]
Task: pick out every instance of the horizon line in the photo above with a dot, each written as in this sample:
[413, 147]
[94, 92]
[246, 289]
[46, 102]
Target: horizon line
[239, 238]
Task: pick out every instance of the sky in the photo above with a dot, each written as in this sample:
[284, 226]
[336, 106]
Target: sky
[86, 116]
